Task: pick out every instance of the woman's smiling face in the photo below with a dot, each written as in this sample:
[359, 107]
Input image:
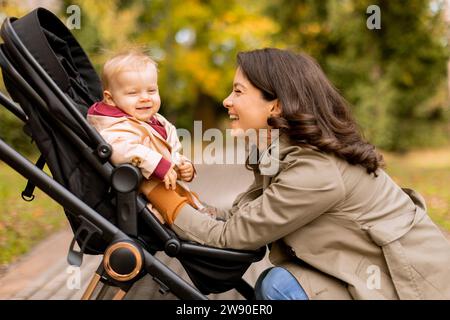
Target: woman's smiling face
[246, 106]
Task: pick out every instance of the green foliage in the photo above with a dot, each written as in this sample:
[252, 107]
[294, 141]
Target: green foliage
[23, 224]
[428, 172]
[11, 131]
[389, 75]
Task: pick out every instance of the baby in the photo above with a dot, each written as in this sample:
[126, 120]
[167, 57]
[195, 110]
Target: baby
[129, 121]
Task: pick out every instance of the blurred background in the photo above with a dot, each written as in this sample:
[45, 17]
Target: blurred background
[395, 78]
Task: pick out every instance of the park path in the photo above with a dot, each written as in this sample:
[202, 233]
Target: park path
[43, 273]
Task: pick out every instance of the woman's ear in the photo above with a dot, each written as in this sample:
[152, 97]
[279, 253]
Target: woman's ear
[107, 97]
[275, 110]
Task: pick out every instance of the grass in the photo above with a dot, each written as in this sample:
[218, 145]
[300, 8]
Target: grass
[428, 172]
[23, 224]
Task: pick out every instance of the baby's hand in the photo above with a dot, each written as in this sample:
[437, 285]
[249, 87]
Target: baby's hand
[186, 170]
[170, 179]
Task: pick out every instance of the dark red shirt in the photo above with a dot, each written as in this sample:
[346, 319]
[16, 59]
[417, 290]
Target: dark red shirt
[103, 109]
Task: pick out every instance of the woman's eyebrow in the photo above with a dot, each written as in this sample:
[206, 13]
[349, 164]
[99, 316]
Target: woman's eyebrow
[238, 84]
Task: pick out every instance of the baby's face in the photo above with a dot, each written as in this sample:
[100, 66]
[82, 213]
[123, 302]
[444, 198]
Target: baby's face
[135, 92]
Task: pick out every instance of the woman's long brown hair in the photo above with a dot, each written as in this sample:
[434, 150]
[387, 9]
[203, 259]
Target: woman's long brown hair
[314, 115]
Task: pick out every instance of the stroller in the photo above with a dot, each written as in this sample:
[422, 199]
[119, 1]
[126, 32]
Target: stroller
[48, 74]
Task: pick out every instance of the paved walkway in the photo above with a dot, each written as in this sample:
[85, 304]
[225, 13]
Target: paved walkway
[43, 274]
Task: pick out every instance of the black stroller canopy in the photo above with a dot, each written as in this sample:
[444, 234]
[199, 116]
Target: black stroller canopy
[58, 52]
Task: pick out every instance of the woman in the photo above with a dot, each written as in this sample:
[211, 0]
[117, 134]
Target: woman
[337, 226]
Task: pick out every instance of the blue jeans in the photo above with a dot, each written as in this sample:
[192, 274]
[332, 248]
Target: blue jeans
[278, 284]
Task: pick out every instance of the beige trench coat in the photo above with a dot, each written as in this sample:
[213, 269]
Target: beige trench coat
[343, 233]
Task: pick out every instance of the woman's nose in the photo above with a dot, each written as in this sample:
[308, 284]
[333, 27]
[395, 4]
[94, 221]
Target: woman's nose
[227, 102]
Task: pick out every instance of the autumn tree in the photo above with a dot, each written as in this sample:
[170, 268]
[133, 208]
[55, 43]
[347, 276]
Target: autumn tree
[394, 77]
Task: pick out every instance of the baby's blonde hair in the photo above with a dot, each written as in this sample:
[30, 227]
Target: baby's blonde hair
[129, 60]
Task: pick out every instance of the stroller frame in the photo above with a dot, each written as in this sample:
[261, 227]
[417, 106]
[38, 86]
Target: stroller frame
[128, 255]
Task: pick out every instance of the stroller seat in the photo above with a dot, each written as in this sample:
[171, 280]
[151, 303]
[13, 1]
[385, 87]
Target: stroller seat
[48, 74]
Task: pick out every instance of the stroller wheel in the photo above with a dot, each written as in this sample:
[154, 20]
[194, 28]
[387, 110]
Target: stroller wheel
[123, 261]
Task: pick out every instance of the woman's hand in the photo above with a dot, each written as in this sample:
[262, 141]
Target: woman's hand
[210, 211]
[186, 170]
[170, 179]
